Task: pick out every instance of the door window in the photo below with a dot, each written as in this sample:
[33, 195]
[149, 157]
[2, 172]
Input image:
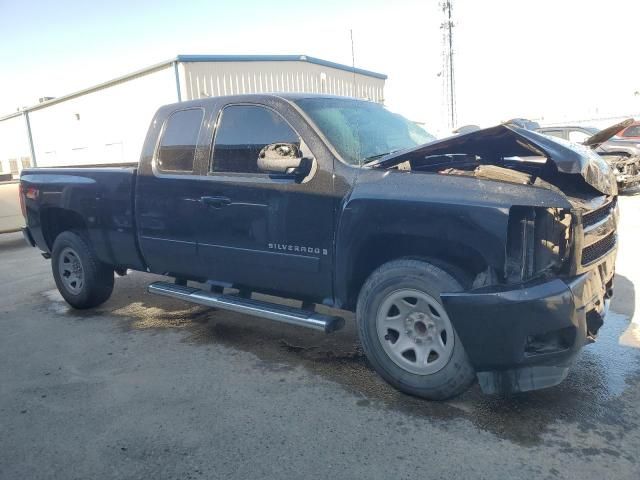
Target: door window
[633, 131]
[178, 145]
[578, 136]
[242, 132]
[554, 133]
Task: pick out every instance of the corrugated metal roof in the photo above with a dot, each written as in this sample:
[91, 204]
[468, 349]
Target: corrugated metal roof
[277, 58]
[194, 59]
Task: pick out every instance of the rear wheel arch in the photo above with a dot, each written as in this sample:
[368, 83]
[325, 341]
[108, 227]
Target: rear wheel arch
[55, 221]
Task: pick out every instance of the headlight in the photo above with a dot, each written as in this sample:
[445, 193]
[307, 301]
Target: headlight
[538, 241]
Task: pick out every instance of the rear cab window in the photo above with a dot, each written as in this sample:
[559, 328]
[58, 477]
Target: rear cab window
[177, 149]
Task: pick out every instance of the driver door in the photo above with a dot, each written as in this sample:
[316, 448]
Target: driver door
[259, 230]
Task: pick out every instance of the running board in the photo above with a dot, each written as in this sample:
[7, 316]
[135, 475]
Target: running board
[248, 306]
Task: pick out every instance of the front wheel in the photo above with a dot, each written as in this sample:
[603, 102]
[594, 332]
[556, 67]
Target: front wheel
[82, 279]
[407, 334]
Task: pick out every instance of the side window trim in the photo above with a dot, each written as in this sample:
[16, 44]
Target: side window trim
[245, 175]
[156, 170]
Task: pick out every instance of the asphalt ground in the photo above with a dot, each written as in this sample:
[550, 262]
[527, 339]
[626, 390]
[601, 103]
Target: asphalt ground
[147, 387]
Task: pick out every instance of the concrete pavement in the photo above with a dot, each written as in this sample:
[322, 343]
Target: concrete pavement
[147, 387]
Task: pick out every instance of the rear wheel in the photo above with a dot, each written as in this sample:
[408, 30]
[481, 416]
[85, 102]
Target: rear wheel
[406, 332]
[82, 279]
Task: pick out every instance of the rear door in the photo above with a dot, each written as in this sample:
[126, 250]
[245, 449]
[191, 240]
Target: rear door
[167, 210]
[259, 230]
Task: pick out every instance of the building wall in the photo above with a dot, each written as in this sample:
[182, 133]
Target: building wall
[104, 126]
[209, 79]
[14, 145]
[108, 125]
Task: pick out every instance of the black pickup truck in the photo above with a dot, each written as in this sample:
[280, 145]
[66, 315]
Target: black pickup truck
[488, 255]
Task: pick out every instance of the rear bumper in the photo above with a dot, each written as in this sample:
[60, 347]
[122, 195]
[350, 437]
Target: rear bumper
[527, 338]
[27, 237]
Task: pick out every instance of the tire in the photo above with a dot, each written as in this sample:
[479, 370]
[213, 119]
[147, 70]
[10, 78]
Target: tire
[82, 279]
[439, 367]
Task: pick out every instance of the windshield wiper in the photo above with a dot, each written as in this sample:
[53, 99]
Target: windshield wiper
[377, 156]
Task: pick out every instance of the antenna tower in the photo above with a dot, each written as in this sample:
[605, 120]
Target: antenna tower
[448, 77]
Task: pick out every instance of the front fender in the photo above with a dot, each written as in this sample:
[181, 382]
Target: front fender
[467, 216]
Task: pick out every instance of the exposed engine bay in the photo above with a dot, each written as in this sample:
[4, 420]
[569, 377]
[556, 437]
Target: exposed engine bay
[511, 154]
[625, 167]
[540, 240]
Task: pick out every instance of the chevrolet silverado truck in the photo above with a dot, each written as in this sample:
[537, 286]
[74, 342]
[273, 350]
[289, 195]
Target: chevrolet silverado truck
[488, 255]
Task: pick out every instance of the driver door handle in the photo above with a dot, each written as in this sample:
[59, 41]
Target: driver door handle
[216, 202]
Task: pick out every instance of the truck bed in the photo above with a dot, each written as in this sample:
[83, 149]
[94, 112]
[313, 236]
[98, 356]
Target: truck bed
[101, 197]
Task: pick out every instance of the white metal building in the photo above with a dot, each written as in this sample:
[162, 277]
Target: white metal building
[107, 123]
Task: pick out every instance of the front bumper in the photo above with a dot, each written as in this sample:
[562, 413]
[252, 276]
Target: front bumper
[527, 338]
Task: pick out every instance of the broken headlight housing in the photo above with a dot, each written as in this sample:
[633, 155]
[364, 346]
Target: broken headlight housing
[538, 242]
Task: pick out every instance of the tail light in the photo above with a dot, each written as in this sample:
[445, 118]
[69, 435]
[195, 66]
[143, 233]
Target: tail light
[27, 192]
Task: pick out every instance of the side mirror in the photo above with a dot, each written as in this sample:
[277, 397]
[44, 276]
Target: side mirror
[280, 158]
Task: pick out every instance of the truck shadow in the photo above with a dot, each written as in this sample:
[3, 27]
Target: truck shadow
[11, 241]
[604, 380]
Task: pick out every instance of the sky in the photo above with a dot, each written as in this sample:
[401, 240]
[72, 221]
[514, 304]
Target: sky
[551, 60]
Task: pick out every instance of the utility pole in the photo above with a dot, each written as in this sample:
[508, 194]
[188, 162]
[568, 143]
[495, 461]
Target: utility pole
[448, 76]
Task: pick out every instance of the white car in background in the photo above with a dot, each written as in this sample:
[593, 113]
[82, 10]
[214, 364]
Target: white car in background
[11, 219]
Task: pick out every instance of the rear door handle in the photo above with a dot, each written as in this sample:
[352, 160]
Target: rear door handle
[216, 202]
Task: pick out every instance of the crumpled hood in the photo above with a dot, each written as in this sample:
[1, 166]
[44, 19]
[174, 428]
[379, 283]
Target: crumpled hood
[510, 141]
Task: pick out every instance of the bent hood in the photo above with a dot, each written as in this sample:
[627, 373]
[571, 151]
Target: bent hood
[504, 141]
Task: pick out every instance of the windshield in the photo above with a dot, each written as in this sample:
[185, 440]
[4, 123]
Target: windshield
[362, 131]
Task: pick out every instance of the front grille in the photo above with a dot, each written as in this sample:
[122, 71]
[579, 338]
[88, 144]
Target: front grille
[594, 216]
[598, 249]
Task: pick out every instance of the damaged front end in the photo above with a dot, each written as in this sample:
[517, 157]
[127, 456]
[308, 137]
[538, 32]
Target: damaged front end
[625, 168]
[535, 156]
[538, 242]
[523, 326]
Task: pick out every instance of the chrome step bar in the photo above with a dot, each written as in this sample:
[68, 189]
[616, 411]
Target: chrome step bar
[248, 306]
